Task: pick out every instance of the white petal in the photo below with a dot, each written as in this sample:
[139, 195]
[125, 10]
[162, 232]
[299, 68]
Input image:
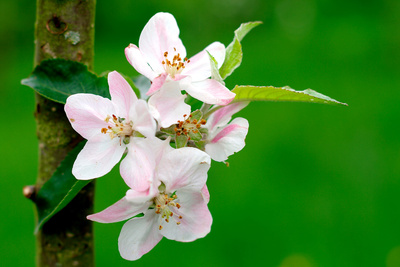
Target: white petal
[211, 92]
[139, 62]
[168, 105]
[143, 197]
[161, 34]
[120, 211]
[183, 168]
[227, 140]
[87, 113]
[138, 236]
[98, 157]
[137, 168]
[199, 67]
[122, 94]
[196, 218]
[142, 120]
[222, 116]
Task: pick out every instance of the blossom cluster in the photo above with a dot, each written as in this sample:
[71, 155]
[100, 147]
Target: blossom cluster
[168, 146]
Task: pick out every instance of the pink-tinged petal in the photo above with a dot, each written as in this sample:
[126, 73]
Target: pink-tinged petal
[139, 165]
[227, 140]
[139, 62]
[161, 34]
[142, 120]
[183, 168]
[211, 92]
[223, 115]
[120, 211]
[98, 157]
[137, 168]
[196, 218]
[157, 83]
[168, 105]
[87, 113]
[206, 194]
[199, 67]
[143, 197]
[122, 94]
[161, 148]
[138, 236]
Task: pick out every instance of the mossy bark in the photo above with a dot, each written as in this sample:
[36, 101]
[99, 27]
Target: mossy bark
[64, 29]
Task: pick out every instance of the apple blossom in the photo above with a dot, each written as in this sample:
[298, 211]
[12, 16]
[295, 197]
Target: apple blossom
[110, 126]
[174, 206]
[224, 138]
[161, 57]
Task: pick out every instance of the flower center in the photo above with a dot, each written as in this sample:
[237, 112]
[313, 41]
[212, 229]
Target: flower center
[163, 204]
[118, 128]
[175, 66]
[189, 125]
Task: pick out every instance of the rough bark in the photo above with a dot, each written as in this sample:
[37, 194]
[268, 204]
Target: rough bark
[64, 29]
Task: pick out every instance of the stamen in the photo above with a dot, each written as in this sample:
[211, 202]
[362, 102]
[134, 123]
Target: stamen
[188, 125]
[163, 202]
[122, 128]
[176, 66]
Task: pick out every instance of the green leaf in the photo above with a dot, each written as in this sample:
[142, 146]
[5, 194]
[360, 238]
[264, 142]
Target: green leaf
[270, 93]
[233, 53]
[57, 192]
[193, 102]
[57, 79]
[214, 70]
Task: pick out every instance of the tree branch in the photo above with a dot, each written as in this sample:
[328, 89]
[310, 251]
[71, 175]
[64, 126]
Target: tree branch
[64, 29]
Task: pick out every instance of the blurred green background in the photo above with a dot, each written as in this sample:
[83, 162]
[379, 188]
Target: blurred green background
[315, 185]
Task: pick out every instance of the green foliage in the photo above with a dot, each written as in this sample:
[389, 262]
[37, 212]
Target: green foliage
[270, 93]
[57, 79]
[234, 54]
[57, 192]
[193, 102]
[214, 70]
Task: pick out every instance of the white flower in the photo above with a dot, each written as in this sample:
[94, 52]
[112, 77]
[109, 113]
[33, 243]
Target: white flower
[161, 57]
[175, 206]
[110, 126]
